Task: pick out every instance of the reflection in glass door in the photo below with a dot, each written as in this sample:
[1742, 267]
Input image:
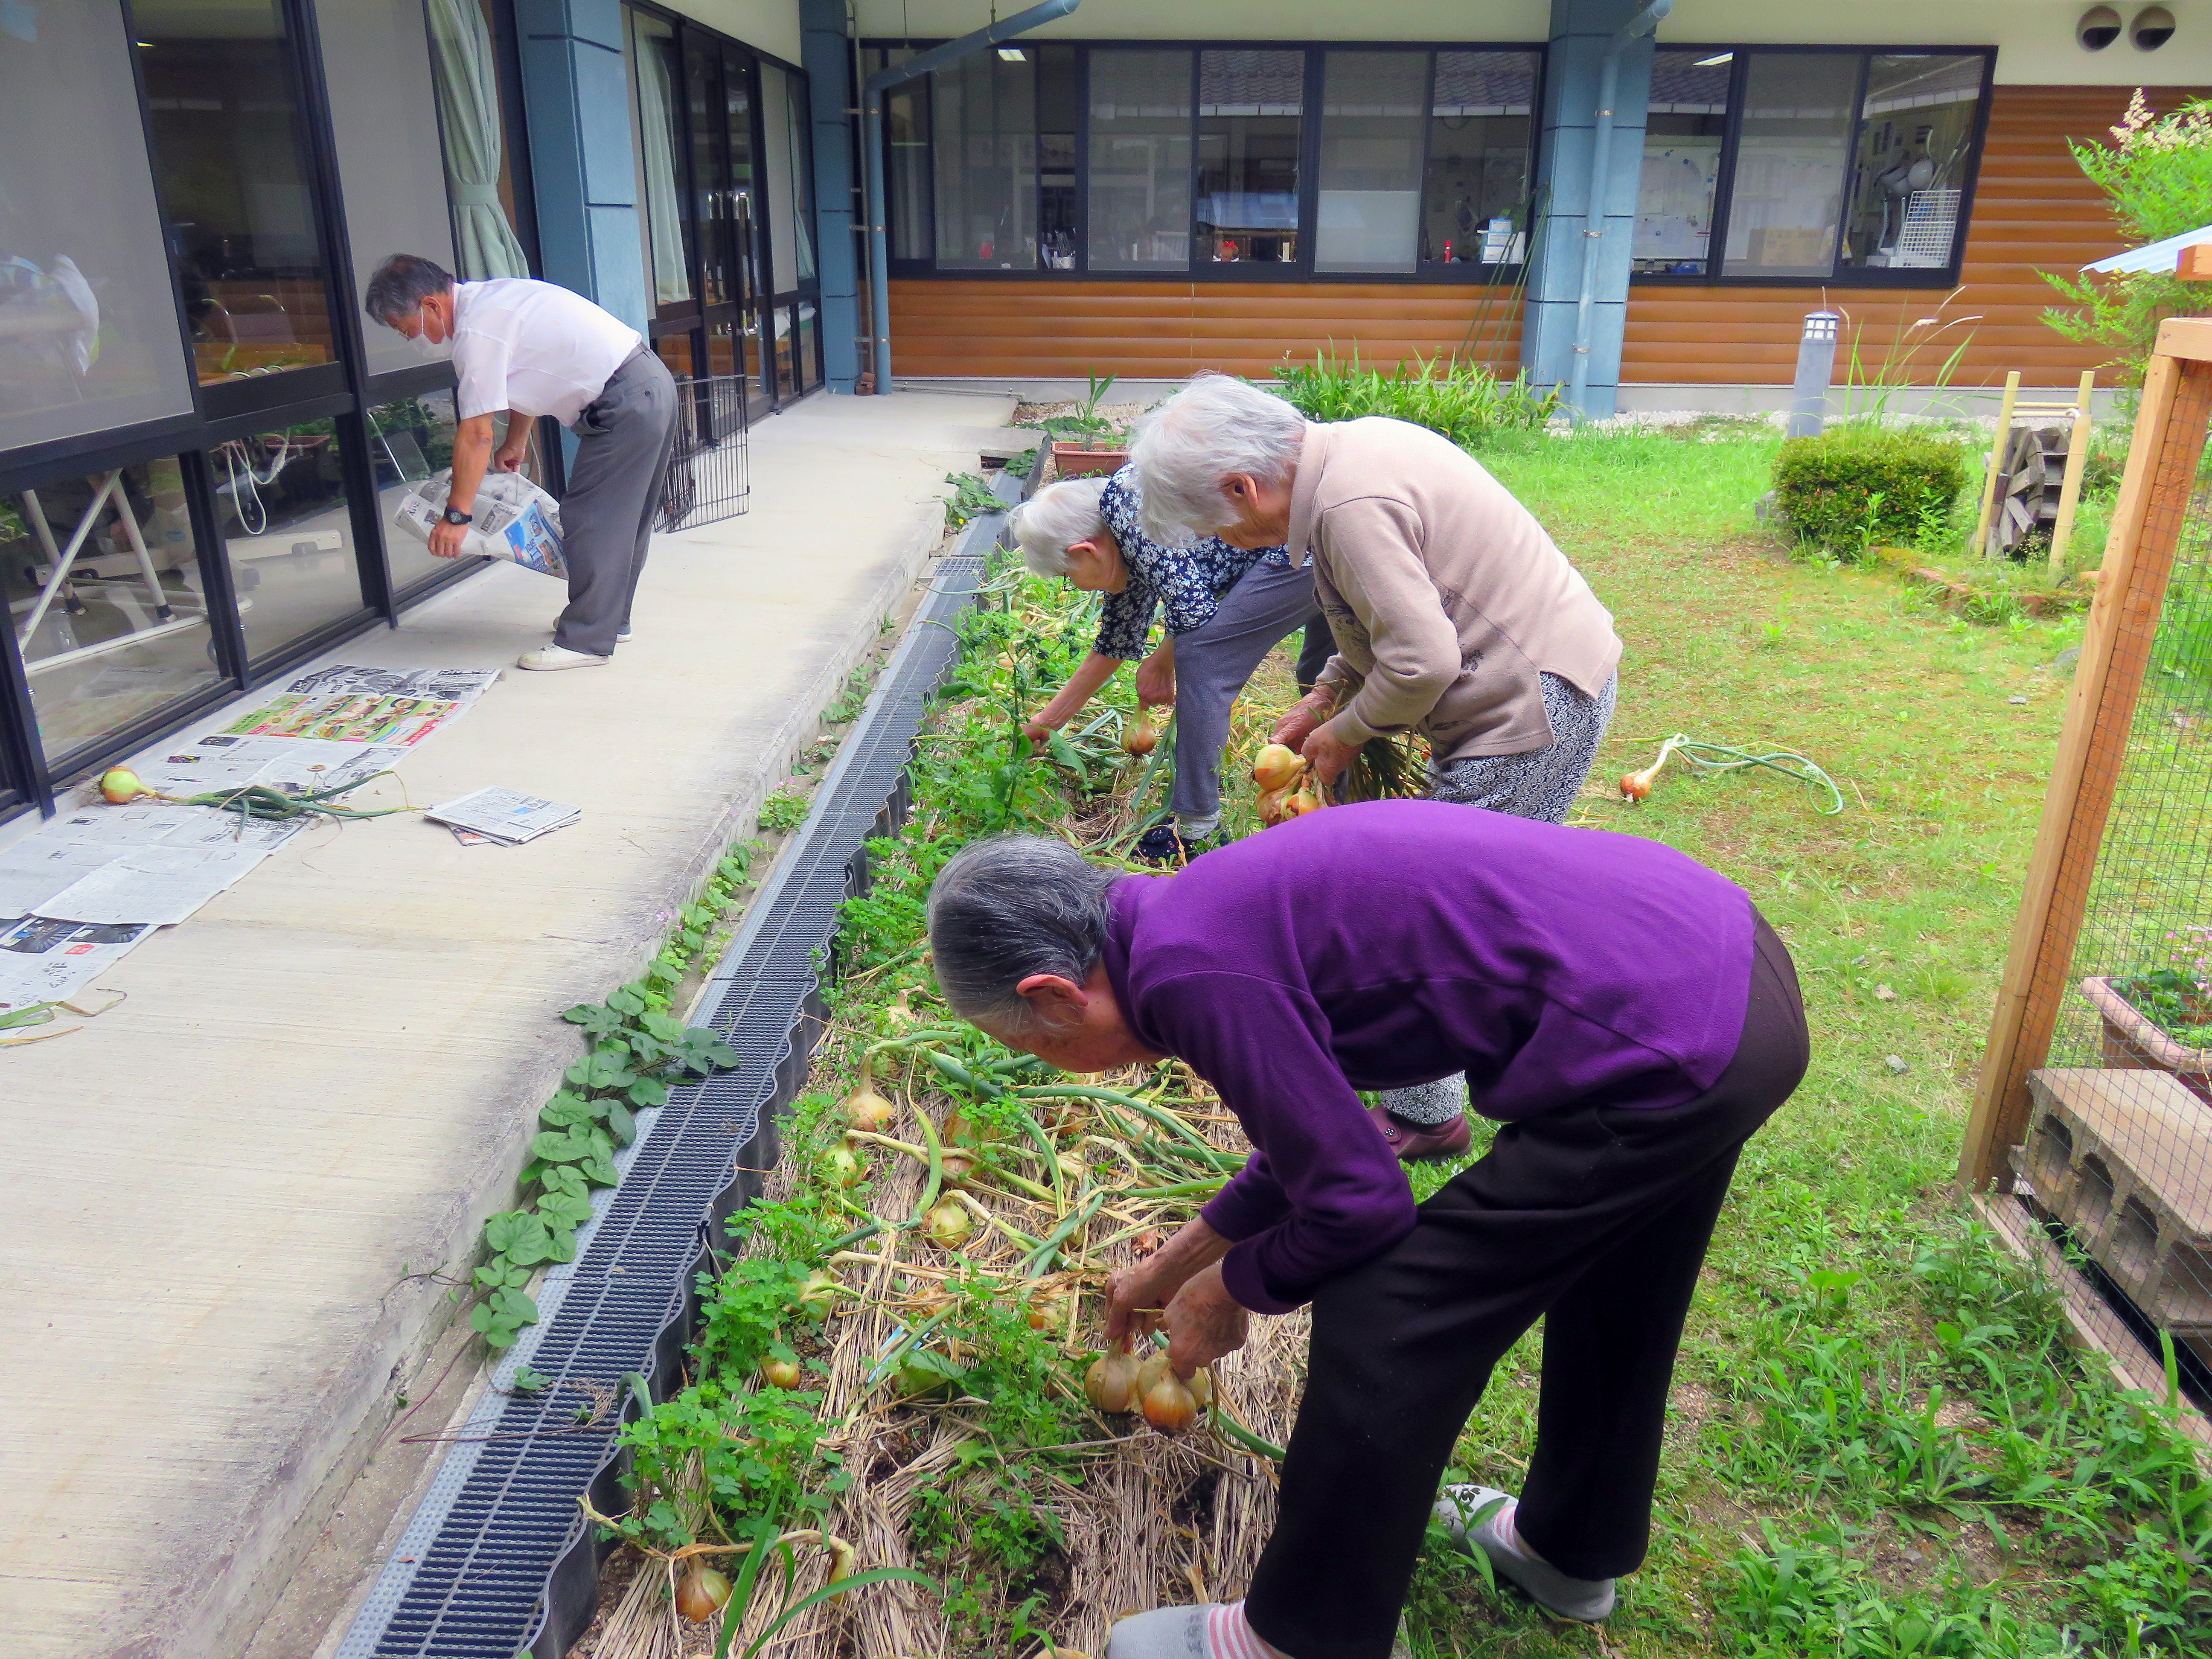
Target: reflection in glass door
[739, 73]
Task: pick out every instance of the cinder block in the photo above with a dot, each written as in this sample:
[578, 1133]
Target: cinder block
[2124, 1158]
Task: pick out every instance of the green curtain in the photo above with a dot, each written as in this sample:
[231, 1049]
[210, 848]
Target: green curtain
[467, 84]
[656, 102]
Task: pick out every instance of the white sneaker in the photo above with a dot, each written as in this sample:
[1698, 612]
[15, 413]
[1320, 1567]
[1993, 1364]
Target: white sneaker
[1476, 1517]
[559, 656]
[622, 638]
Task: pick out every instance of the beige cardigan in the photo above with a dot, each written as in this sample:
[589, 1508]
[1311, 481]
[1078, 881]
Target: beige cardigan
[1446, 596]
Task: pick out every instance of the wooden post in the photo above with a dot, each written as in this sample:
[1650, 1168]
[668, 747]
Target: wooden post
[1997, 446]
[2146, 521]
[2070, 493]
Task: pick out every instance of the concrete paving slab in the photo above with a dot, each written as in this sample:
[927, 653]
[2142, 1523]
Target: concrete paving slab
[321, 1084]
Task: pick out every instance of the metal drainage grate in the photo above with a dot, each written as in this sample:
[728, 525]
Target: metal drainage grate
[497, 1560]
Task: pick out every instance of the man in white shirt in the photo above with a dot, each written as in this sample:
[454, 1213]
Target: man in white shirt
[534, 349]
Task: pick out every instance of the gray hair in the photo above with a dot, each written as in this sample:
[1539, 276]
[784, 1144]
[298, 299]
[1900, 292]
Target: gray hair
[1217, 427]
[1007, 908]
[398, 287]
[1054, 520]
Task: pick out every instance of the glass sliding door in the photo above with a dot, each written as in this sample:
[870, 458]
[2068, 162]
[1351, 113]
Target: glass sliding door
[657, 72]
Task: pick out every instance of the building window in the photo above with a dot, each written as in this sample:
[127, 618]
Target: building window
[1807, 166]
[1141, 125]
[1249, 109]
[1172, 160]
[288, 531]
[229, 155]
[984, 138]
[668, 229]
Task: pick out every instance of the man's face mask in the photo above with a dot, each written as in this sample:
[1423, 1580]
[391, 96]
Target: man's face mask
[429, 339]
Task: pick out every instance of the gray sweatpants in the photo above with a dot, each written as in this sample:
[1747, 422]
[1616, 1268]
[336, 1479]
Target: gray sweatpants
[1213, 662]
[624, 439]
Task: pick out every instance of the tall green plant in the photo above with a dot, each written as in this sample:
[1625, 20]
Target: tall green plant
[1463, 401]
[2157, 172]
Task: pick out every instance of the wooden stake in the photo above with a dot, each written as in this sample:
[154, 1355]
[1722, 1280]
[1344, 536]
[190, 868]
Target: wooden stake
[1996, 464]
[2070, 493]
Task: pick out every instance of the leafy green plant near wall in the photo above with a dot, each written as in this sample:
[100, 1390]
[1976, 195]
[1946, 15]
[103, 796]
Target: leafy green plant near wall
[2157, 172]
[1854, 487]
[1463, 401]
[638, 1049]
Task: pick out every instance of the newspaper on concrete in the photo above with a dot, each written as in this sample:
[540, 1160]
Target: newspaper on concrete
[505, 815]
[160, 885]
[514, 520]
[44, 961]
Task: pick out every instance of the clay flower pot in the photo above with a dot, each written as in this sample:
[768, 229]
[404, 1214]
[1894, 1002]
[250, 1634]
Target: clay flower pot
[2134, 1043]
[1081, 461]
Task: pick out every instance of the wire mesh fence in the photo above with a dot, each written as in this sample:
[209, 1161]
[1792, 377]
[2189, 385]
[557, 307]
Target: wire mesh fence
[2096, 1099]
[708, 476]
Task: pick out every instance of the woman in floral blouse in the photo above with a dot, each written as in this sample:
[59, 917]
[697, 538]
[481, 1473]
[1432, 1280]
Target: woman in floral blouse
[1227, 607]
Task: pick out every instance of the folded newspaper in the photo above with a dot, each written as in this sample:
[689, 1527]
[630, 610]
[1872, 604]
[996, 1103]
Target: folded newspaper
[505, 815]
[515, 520]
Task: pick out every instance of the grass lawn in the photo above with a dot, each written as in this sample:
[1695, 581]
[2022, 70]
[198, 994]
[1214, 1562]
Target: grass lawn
[1881, 1447]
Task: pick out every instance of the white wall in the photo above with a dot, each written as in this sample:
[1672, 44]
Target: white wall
[771, 25]
[2034, 38]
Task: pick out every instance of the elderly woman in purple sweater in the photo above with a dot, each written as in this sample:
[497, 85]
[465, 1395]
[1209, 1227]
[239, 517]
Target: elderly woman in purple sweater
[1625, 1013]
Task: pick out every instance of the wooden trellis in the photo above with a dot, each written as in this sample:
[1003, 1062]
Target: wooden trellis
[2086, 1117]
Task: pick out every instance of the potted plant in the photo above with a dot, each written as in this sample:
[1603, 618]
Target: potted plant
[1084, 444]
[2160, 1018]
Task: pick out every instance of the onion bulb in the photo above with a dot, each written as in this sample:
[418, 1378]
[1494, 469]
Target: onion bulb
[960, 1129]
[779, 1373]
[1305, 801]
[702, 1592]
[818, 1297]
[1637, 786]
[1047, 1310]
[1167, 1405]
[1277, 767]
[949, 1224]
[1199, 1385]
[1140, 739]
[119, 785]
[1110, 1384]
[1270, 808]
[957, 1166]
[863, 1109]
[845, 1166]
[841, 1562]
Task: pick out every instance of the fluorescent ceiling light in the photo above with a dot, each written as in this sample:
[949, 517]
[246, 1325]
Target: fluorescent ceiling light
[1714, 61]
[1012, 54]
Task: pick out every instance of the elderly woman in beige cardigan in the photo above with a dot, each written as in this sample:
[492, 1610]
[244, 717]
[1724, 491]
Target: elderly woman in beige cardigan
[1454, 615]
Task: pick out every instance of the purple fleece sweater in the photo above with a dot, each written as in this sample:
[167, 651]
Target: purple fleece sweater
[1396, 942]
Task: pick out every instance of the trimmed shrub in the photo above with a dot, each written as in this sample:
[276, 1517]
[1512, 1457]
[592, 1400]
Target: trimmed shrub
[1861, 484]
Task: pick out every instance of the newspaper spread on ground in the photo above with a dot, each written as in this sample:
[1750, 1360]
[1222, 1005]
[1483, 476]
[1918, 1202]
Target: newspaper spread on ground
[44, 961]
[506, 814]
[345, 704]
[33, 872]
[160, 885]
[294, 765]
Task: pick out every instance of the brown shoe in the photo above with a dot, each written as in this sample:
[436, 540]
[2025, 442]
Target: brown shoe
[1420, 1143]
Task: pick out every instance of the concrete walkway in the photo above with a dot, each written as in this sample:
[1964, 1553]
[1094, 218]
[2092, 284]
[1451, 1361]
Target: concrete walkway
[213, 1195]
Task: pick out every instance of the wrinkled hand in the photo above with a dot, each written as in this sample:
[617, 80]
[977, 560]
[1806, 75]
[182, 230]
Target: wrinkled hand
[511, 455]
[1156, 680]
[1307, 714]
[1327, 755]
[446, 540]
[1204, 1322]
[1134, 1299]
[1038, 729]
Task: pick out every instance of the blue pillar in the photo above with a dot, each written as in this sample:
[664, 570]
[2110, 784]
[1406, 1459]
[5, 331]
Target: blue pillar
[1582, 31]
[576, 93]
[827, 55]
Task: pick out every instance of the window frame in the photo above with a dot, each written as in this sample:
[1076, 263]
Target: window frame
[1839, 275]
[1425, 273]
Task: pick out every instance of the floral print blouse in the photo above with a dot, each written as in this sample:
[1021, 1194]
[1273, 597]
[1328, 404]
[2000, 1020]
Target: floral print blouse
[1188, 583]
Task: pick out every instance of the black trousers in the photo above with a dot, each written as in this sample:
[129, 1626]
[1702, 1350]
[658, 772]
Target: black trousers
[1594, 1219]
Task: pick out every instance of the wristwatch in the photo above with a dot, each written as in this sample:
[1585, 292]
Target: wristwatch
[454, 515]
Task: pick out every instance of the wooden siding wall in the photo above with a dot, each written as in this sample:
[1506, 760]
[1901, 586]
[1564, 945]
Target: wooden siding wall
[2033, 209]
